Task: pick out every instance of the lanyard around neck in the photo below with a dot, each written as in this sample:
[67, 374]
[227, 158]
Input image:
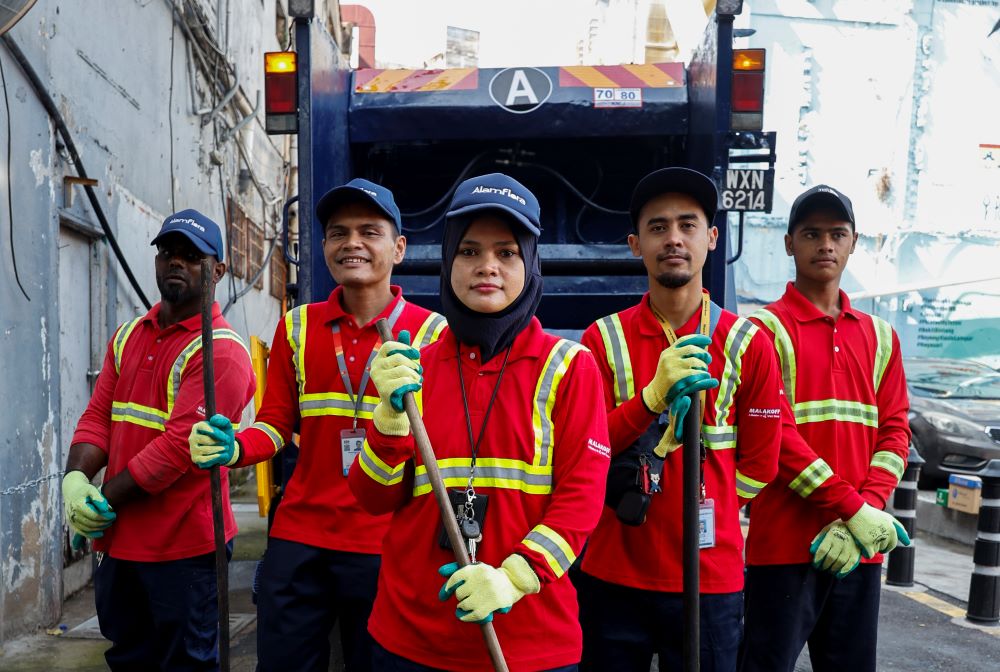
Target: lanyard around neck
[338, 346]
[704, 326]
[473, 442]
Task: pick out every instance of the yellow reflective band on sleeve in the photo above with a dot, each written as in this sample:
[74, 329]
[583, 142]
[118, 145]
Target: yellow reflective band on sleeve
[180, 364]
[295, 332]
[335, 403]
[737, 342]
[557, 553]
[377, 470]
[824, 410]
[616, 350]
[883, 349]
[119, 340]
[747, 487]
[137, 414]
[784, 348]
[889, 461]
[491, 472]
[429, 331]
[271, 433]
[546, 390]
[719, 438]
[813, 476]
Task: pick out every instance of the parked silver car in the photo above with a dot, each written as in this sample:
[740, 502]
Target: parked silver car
[954, 416]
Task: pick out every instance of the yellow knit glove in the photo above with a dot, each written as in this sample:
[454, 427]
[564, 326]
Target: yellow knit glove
[396, 370]
[482, 589]
[835, 551]
[681, 369]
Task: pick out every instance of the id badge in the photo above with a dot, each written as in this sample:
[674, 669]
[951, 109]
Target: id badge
[351, 441]
[706, 524]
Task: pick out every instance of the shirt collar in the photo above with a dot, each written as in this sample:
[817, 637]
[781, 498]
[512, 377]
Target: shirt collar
[190, 324]
[527, 344]
[803, 310]
[650, 326]
[335, 308]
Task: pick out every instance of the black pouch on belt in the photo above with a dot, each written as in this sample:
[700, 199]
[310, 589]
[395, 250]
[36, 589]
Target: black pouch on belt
[633, 476]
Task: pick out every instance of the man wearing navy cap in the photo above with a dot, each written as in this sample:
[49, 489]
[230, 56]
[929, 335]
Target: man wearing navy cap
[323, 555]
[152, 518]
[653, 357]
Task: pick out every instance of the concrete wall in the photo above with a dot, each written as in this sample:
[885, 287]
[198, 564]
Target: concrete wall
[121, 74]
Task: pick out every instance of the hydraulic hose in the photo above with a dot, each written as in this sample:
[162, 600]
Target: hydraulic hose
[60, 124]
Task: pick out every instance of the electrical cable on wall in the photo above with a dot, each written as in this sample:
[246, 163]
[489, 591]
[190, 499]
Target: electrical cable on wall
[57, 119]
[10, 190]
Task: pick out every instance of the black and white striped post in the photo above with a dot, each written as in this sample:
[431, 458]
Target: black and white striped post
[904, 507]
[984, 589]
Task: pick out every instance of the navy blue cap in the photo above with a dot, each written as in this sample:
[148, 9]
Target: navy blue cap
[820, 197]
[358, 190]
[199, 229]
[681, 180]
[497, 191]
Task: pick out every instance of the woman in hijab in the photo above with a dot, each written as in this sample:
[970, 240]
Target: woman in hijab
[515, 416]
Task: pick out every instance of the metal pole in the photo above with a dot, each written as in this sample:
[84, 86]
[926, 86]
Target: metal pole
[692, 498]
[904, 507]
[426, 452]
[984, 588]
[215, 478]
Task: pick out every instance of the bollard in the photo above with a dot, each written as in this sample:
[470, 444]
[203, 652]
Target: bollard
[904, 507]
[984, 588]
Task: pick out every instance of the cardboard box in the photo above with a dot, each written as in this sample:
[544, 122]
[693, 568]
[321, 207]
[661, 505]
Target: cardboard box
[965, 493]
[942, 497]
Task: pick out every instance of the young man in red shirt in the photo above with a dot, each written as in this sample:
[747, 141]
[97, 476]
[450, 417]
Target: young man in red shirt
[817, 533]
[652, 356]
[155, 587]
[323, 555]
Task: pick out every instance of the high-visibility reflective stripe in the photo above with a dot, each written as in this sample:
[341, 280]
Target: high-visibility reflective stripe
[429, 331]
[616, 348]
[295, 332]
[811, 478]
[377, 470]
[747, 487]
[335, 403]
[883, 348]
[271, 433]
[189, 351]
[836, 409]
[737, 342]
[556, 365]
[719, 438]
[786, 352]
[137, 414]
[491, 472]
[891, 462]
[557, 553]
[121, 337]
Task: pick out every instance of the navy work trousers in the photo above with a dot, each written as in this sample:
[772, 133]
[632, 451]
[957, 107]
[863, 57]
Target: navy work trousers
[623, 627]
[159, 615]
[790, 605]
[304, 590]
[386, 661]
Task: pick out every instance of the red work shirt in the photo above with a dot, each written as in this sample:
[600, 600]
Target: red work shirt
[740, 462]
[543, 464]
[148, 395]
[305, 390]
[846, 436]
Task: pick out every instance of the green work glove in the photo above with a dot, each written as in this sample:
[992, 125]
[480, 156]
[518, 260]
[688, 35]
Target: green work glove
[482, 589]
[213, 443]
[834, 550]
[876, 531]
[87, 511]
[682, 369]
[674, 436]
[396, 370]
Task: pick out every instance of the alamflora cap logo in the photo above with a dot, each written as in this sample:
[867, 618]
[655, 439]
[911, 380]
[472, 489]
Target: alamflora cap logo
[185, 220]
[500, 192]
[369, 192]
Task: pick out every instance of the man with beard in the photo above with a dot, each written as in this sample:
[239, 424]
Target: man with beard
[817, 535]
[155, 587]
[652, 357]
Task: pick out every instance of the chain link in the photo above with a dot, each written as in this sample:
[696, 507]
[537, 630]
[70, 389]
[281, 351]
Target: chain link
[27, 485]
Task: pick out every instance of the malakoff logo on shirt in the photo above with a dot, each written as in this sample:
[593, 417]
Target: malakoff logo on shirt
[765, 413]
[599, 448]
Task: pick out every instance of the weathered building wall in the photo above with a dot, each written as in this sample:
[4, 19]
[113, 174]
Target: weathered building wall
[126, 78]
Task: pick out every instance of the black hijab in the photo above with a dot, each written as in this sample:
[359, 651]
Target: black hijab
[492, 332]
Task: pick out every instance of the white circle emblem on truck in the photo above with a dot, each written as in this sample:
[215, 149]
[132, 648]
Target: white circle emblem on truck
[520, 90]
